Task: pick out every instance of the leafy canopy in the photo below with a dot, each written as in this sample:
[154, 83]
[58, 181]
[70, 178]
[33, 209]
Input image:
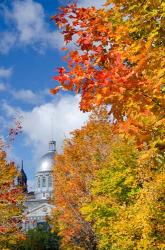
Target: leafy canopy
[11, 203]
[118, 58]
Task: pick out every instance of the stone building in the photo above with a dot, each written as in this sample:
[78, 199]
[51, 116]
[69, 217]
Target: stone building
[38, 203]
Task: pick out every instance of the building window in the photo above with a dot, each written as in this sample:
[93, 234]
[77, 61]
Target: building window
[39, 182]
[50, 181]
[44, 181]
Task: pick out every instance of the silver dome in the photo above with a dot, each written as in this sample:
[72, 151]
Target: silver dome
[46, 162]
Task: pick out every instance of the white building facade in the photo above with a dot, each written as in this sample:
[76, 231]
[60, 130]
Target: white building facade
[38, 204]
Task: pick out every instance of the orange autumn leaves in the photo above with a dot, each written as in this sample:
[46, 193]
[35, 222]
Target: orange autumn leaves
[111, 65]
[108, 190]
[11, 199]
[116, 192]
[73, 171]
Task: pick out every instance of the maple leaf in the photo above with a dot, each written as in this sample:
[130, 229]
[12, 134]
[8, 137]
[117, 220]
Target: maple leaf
[61, 70]
[116, 49]
[55, 90]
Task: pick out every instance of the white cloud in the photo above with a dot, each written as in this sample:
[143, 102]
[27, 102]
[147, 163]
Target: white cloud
[2, 86]
[5, 72]
[12, 156]
[30, 97]
[2, 124]
[84, 3]
[95, 3]
[65, 116]
[7, 41]
[26, 95]
[37, 123]
[29, 27]
[29, 19]
[10, 111]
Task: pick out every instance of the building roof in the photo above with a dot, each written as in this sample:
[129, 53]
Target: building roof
[46, 162]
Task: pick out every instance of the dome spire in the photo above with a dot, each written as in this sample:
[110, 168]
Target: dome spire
[22, 165]
[52, 142]
[52, 146]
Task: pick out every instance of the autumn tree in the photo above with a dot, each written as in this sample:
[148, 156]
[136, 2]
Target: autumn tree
[73, 172]
[142, 39]
[118, 60]
[127, 205]
[11, 199]
[108, 188]
[117, 49]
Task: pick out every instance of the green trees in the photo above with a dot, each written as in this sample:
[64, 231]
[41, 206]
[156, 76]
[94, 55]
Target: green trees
[39, 239]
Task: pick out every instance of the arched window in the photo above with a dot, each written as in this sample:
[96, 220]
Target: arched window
[39, 182]
[50, 181]
[44, 181]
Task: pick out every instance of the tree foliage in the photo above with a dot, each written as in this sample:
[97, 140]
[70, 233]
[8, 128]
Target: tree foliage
[117, 59]
[142, 39]
[104, 178]
[128, 197]
[11, 199]
[73, 171]
[39, 239]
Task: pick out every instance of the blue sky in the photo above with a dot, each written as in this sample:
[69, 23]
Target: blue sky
[29, 56]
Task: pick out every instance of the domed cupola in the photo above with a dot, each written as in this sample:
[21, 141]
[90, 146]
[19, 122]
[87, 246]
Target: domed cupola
[43, 181]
